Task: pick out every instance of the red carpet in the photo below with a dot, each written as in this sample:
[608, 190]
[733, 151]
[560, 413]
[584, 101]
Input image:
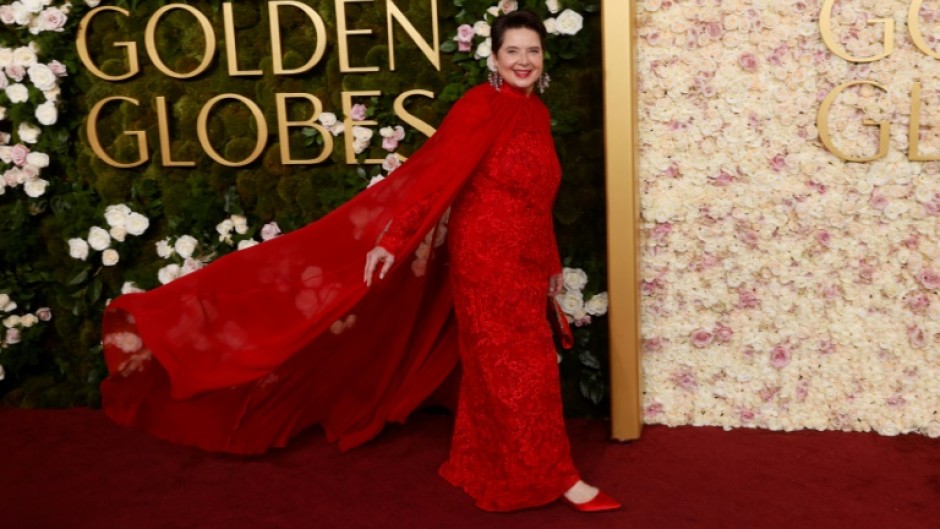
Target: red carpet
[65, 469]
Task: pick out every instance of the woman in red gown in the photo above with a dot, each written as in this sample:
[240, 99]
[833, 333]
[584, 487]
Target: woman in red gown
[269, 340]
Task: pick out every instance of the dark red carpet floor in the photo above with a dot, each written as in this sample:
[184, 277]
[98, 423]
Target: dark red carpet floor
[64, 469]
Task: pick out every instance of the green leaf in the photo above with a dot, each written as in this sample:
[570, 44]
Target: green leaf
[448, 46]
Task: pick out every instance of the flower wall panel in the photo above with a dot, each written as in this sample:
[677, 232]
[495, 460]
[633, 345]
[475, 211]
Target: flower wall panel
[784, 287]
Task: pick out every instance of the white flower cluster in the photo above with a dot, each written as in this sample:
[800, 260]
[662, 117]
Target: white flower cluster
[782, 287]
[35, 15]
[122, 221]
[25, 168]
[568, 22]
[572, 301]
[19, 66]
[14, 323]
[182, 250]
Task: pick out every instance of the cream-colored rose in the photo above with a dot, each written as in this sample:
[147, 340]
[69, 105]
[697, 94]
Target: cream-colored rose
[35, 187]
[17, 93]
[137, 224]
[574, 278]
[116, 214]
[484, 49]
[327, 119]
[481, 29]
[571, 302]
[225, 227]
[362, 133]
[118, 233]
[129, 287]
[185, 246]
[247, 243]
[569, 22]
[110, 257]
[47, 114]
[164, 249]
[28, 132]
[240, 224]
[78, 249]
[554, 6]
[168, 273]
[11, 321]
[41, 76]
[24, 56]
[98, 238]
[597, 305]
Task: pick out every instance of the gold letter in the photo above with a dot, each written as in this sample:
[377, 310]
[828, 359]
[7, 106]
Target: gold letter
[913, 134]
[342, 33]
[913, 24]
[203, 132]
[231, 52]
[163, 125]
[822, 124]
[283, 124]
[275, 23]
[82, 45]
[207, 33]
[409, 118]
[825, 25]
[433, 55]
[349, 123]
[91, 127]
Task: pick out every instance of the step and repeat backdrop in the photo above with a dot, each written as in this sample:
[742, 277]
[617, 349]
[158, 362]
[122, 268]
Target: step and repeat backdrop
[790, 192]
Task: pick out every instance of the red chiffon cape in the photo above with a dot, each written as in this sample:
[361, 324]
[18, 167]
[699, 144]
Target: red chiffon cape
[269, 340]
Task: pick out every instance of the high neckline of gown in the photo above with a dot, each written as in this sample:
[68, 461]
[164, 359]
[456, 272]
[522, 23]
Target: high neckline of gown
[514, 92]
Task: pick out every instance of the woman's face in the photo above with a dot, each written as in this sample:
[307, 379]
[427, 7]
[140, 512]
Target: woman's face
[519, 59]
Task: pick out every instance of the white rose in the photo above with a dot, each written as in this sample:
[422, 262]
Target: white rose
[569, 22]
[33, 6]
[28, 320]
[190, 265]
[52, 95]
[118, 233]
[552, 6]
[597, 305]
[551, 26]
[44, 313]
[11, 321]
[247, 243]
[375, 180]
[493, 10]
[24, 56]
[46, 114]
[6, 17]
[28, 132]
[41, 76]
[482, 29]
[240, 223]
[35, 187]
[508, 6]
[164, 249]
[225, 227]
[270, 231]
[98, 238]
[168, 273]
[137, 224]
[362, 133]
[92, 3]
[17, 93]
[185, 246]
[327, 119]
[116, 215]
[386, 132]
[6, 55]
[575, 278]
[4, 81]
[8, 306]
[52, 19]
[38, 160]
[4, 299]
[571, 302]
[78, 248]
[129, 287]
[484, 49]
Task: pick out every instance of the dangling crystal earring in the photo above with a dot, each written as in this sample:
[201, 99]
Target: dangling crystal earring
[544, 82]
[496, 80]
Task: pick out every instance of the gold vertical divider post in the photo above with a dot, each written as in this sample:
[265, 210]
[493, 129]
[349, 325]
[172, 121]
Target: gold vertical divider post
[623, 211]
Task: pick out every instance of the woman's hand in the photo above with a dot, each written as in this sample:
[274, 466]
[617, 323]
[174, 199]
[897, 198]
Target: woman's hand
[373, 258]
[556, 284]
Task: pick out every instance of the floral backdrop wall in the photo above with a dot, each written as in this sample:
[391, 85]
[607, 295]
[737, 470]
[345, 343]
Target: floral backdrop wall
[784, 287]
[76, 232]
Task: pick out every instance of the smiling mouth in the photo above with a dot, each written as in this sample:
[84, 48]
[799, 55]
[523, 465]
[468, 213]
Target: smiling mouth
[522, 74]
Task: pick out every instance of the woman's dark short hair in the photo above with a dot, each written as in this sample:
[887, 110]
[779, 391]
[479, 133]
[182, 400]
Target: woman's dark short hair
[522, 18]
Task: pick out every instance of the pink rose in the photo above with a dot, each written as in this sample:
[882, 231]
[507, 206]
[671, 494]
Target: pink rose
[465, 34]
[661, 230]
[685, 379]
[391, 163]
[270, 231]
[13, 336]
[44, 314]
[877, 200]
[917, 302]
[802, 391]
[15, 72]
[389, 144]
[701, 338]
[780, 356]
[917, 337]
[358, 112]
[778, 163]
[57, 68]
[655, 408]
[714, 30]
[746, 415]
[508, 6]
[748, 61]
[823, 238]
[652, 345]
[747, 299]
[929, 279]
[52, 19]
[767, 393]
[895, 401]
[18, 154]
[6, 14]
[464, 47]
[723, 333]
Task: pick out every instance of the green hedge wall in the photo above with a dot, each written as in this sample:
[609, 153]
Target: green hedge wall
[58, 363]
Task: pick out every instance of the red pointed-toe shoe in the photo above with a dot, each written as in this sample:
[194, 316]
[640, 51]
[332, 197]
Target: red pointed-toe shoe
[599, 503]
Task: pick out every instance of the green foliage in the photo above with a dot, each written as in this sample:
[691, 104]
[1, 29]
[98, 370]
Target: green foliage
[59, 363]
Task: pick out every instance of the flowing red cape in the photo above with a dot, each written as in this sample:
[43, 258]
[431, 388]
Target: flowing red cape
[269, 340]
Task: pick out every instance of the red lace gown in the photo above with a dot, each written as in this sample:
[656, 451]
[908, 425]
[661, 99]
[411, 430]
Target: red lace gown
[270, 340]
